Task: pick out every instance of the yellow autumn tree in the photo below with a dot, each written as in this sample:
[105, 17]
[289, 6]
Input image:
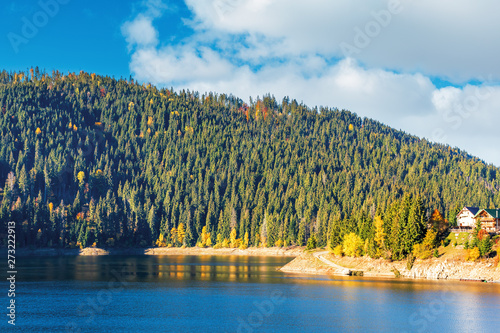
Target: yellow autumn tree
[150, 121]
[337, 251]
[51, 207]
[181, 233]
[81, 178]
[438, 222]
[379, 234]
[205, 240]
[38, 131]
[352, 245]
[173, 235]
[424, 250]
[161, 241]
[472, 254]
[235, 242]
[245, 242]
[218, 241]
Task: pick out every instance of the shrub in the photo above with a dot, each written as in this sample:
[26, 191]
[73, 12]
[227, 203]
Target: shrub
[473, 254]
[421, 251]
[481, 234]
[436, 253]
[110, 242]
[397, 274]
[474, 243]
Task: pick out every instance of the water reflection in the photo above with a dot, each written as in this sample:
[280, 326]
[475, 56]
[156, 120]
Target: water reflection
[153, 268]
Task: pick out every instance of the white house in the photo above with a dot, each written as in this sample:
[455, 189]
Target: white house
[465, 218]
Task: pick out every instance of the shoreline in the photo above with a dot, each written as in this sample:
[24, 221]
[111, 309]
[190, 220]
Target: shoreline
[429, 269]
[311, 262]
[294, 251]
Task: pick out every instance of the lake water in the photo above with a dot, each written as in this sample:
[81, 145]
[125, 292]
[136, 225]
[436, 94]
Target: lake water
[236, 294]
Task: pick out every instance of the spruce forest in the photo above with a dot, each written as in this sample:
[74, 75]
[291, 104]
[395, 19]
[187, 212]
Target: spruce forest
[89, 160]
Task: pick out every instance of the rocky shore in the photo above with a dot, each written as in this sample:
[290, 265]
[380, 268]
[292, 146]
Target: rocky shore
[435, 268]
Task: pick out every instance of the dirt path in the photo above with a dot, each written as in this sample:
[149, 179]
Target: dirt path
[339, 269]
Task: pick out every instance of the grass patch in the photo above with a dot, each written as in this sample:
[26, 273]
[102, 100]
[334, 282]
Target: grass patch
[460, 239]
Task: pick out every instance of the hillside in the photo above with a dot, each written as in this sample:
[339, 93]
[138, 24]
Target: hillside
[87, 158]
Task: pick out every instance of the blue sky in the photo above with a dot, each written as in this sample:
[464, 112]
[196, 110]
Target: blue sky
[426, 67]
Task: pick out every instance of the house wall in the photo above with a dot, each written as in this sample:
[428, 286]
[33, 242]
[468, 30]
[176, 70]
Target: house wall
[488, 224]
[466, 219]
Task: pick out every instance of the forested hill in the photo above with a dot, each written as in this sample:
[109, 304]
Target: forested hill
[87, 158]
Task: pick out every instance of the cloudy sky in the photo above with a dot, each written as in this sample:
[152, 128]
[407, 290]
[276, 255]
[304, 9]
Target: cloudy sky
[427, 67]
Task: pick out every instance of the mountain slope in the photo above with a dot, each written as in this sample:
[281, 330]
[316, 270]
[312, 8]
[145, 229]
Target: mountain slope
[89, 158]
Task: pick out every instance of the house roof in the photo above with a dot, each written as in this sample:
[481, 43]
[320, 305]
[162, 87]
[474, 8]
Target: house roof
[492, 212]
[473, 210]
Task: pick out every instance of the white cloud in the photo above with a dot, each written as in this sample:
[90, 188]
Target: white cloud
[180, 65]
[468, 118]
[288, 48]
[140, 32]
[449, 38]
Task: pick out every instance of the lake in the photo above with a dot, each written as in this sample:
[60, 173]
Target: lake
[236, 294]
